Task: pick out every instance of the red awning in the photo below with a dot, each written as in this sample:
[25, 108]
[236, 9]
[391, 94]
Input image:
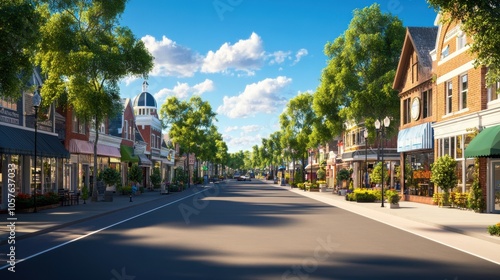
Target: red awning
[84, 147]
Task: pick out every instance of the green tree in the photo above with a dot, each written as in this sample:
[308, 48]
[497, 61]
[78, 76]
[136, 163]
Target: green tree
[188, 123]
[155, 177]
[84, 53]
[376, 175]
[480, 20]
[443, 174]
[135, 173]
[110, 176]
[296, 124]
[19, 35]
[357, 82]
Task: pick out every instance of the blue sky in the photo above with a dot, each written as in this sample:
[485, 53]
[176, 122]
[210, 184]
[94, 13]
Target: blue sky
[246, 57]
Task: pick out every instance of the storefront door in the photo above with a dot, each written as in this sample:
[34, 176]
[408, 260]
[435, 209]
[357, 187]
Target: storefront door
[495, 171]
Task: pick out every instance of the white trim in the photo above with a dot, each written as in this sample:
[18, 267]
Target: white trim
[453, 54]
[455, 72]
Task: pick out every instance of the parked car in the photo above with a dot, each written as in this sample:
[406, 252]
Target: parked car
[241, 178]
[247, 178]
[236, 175]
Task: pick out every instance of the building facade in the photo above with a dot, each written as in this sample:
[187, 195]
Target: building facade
[464, 106]
[17, 147]
[414, 81]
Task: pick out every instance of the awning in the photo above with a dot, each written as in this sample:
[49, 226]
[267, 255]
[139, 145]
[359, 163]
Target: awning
[419, 137]
[144, 161]
[22, 142]
[85, 147]
[485, 144]
[127, 154]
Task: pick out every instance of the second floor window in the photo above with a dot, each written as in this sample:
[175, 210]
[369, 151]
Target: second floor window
[464, 87]
[427, 103]
[449, 97]
[78, 125]
[494, 92]
[406, 110]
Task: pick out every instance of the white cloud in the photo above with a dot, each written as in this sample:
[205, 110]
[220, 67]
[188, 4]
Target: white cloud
[231, 128]
[183, 90]
[171, 59]
[262, 97]
[250, 128]
[242, 143]
[300, 53]
[245, 55]
[279, 57]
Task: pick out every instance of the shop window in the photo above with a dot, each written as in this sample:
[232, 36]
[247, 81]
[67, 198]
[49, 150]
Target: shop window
[464, 87]
[460, 145]
[427, 103]
[446, 146]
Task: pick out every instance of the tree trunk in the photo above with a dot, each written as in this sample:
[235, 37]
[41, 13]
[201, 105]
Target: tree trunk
[95, 194]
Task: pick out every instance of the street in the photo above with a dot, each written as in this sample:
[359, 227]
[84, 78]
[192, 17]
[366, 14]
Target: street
[238, 230]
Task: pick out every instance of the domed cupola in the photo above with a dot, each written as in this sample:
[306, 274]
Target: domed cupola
[145, 103]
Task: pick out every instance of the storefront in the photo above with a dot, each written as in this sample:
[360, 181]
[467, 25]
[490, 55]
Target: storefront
[417, 152]
[17, 150]
[81, 164]
[487, 145]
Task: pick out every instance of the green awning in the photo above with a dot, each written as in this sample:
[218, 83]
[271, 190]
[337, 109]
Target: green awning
[127, 154]
[22, 142]
[485, 144]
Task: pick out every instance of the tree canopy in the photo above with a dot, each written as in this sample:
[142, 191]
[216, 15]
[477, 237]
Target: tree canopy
[19, 35]
[84, 53]
[356, 84]
[481, 20]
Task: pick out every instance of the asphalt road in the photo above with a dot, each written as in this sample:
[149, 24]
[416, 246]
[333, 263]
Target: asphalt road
[239, 230]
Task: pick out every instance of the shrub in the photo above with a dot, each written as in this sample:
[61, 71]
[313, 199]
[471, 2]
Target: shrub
[392, 196]
[343, 175]
[494, 229]
[156, 178]
[110, 176]
[364, 195]
[444, 175]
[321, 173]
[300, 186]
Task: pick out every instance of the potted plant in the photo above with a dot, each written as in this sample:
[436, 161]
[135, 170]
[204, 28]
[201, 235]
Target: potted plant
[155, 178]
[85, 193]
[444, 175]
[392, 198]
[110, 177]
[342, 176]
[321, 175]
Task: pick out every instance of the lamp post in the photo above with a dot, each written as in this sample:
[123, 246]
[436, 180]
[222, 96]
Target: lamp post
[312, 155]
[387, 122]
[37, 99]
[365, 134]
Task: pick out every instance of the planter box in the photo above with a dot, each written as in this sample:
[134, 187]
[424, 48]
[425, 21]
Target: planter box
[392, 205]
[314, 190]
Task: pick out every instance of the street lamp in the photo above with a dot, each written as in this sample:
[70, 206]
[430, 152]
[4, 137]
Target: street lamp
[387, 122]
[365, 134]
[311, 153]
[37, 99]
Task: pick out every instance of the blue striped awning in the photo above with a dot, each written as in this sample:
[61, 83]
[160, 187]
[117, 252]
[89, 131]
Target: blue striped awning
[419, 137]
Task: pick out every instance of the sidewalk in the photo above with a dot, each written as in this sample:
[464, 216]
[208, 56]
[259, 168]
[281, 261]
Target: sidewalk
[461, 229]
[50, 219]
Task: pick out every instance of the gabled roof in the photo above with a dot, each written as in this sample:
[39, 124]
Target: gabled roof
[423, 41]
